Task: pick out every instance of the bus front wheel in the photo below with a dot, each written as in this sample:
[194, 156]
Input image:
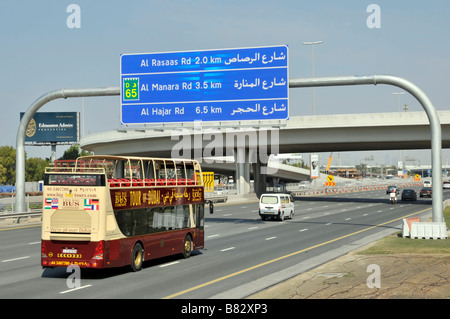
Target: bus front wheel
[187, 246]
[137, 257]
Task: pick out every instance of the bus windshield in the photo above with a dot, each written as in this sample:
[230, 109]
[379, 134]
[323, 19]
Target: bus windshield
[74, 179]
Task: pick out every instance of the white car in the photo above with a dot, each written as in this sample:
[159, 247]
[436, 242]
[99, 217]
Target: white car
[304, 184]
[278, 206]
[446, 185]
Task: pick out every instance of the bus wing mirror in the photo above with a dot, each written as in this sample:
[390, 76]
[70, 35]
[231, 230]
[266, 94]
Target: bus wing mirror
[211, 207]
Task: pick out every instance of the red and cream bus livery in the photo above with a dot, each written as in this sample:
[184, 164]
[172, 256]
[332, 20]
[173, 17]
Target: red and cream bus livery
[112, 211]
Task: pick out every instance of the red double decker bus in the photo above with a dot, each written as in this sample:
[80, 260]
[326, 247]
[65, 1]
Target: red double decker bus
[111, 211]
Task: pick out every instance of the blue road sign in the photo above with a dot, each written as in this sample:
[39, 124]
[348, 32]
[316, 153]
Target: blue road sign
[212, 85]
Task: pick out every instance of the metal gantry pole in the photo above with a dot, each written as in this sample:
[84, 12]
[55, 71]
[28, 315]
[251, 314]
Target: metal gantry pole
[436, 134]
[20, 139]
[435, 125]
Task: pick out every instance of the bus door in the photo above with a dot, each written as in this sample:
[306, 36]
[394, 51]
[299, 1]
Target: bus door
[200, 225]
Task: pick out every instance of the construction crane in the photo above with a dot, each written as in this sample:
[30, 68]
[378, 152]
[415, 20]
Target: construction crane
[329, 162]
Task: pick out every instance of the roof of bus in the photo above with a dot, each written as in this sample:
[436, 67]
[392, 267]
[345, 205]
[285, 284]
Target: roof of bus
[116, 157]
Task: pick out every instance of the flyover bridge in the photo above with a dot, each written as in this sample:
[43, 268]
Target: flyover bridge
[251, 143]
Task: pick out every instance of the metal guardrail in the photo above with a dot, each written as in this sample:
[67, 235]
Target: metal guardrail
[17, 218]
[351, 188]
[217, 199]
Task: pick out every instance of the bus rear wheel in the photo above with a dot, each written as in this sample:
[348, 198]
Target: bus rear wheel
[187, 246]
[137, 257]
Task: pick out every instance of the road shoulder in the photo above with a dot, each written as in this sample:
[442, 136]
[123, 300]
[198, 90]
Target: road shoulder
[352, 276]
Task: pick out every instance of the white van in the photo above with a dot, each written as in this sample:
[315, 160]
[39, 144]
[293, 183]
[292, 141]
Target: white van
[277, 206]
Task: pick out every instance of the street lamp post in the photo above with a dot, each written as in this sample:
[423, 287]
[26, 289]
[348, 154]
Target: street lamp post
[398, 98]
[312, 44]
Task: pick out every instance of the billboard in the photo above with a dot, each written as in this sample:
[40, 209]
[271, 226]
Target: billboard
[314, 168]
[210, 85]
[51, 127]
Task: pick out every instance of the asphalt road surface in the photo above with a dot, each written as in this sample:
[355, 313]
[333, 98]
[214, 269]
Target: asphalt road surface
[243, 254]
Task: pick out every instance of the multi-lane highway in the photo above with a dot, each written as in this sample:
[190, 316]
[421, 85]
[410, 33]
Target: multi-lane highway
[243, 254]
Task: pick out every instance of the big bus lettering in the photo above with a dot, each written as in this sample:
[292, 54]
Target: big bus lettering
[120, 199]
[70, 203]
[197, 194]
[153, 197]
[135, 198]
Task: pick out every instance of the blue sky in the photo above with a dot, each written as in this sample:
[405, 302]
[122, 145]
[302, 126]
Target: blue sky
[39, 53]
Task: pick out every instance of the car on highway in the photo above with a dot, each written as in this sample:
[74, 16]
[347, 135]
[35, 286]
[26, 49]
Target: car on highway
[426, 191]
[391, 188]
[409, 194]
[279, 188]
[279, 206]
[304, 184]
[427, 183]
[446, 185]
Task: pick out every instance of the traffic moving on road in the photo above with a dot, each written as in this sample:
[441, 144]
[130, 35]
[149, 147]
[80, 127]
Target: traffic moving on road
[111, 211]
[242, 253]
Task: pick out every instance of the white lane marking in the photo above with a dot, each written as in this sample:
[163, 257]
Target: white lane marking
[14, 259]
[229, 248]
[252, 227]
[269, 238]
[304, 229]
[73, 289]
[213, 236]
[169, 264]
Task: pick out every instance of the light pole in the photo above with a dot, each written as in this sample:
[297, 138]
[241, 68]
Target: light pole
[312, 44]
[398, 98]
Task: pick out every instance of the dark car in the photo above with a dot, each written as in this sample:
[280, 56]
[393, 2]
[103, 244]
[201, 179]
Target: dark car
[391, 188]
[409, 194]
[426, 191]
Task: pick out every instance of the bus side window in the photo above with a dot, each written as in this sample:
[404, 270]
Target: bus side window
[190, 174]
[133, 169]
[118, 169]
[148, 169]
[200, 215]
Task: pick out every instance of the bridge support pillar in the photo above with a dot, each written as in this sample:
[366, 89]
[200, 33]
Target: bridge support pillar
[259, 177]
[241, 158]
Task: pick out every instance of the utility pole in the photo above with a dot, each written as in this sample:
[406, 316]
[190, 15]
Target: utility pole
[312, 44]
